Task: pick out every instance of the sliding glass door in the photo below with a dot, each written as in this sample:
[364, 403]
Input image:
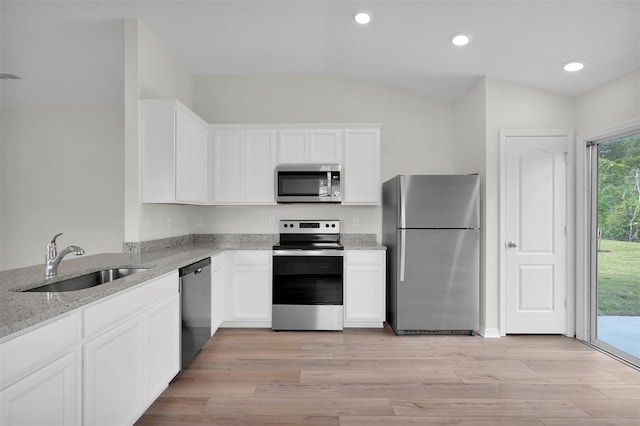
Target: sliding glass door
[615, 246]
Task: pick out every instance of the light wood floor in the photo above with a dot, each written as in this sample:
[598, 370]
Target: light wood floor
[372, 377]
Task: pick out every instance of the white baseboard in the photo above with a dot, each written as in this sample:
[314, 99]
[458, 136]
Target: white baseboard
[363, 324]
[489, 332]
[246, 324]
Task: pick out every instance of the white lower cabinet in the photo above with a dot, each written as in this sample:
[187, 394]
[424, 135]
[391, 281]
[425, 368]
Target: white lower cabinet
[49, 396]
[364, 288]
[40, 375]
[163, 345]
[248, 289]
[114, 375]
[217, 291]
[131, 351]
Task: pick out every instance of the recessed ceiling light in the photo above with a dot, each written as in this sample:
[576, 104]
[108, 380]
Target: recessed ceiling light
[362, 18]
[460, 39]
[573, 66]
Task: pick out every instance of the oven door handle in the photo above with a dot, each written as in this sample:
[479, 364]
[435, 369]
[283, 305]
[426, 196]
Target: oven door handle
[335, 253]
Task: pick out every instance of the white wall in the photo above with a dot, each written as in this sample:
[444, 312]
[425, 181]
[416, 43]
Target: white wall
[610, 104]
[511, 106]
[62, 171]
[469, 113]
[417, 135]
[150, 72]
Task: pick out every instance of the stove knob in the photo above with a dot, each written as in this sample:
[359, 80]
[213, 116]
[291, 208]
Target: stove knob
[333, 225]
[291, 225]
[285, 225]
[327, 225]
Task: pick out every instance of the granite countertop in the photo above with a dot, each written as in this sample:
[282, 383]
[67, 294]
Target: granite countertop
[20, 310]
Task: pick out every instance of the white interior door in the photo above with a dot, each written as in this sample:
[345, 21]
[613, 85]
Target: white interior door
[534, 233]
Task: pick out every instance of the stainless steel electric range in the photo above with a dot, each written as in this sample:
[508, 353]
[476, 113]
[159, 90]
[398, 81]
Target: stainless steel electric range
[308, 276]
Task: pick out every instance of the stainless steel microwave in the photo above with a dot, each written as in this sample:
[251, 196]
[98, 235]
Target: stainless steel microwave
[308, 183]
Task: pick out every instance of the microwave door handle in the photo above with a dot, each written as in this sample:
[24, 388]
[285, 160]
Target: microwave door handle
[329, 185]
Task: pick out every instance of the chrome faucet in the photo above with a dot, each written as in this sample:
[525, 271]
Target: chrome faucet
[54, 258]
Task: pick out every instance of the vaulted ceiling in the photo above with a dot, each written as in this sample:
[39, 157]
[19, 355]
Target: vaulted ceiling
[70, 53]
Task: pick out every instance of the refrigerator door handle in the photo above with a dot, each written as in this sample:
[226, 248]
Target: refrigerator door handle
[403, 253]
[403, 199]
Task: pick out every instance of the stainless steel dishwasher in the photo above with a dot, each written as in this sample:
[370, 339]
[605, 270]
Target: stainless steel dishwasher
[195, 307]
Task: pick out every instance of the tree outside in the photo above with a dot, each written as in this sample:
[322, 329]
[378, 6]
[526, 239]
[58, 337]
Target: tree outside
[619, 226]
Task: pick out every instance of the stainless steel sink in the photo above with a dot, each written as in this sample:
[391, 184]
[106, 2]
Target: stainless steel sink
[87, 281]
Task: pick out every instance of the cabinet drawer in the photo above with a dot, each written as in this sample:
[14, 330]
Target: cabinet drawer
[366, 257]
[35, 348]
[110, 312]
[251, 257]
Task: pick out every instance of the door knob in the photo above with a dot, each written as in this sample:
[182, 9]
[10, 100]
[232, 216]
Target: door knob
[512, 244]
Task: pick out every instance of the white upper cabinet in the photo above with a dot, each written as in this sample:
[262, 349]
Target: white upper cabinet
[293, 146]
[259, 166]
[310, 146]
[243, 162]
[325, 146]
[174, 153]
[361, 167]
[228, 166]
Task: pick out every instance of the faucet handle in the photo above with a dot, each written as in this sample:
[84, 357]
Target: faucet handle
[53, 240]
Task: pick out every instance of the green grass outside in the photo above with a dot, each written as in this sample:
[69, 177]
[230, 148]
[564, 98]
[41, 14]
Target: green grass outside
[619, 278]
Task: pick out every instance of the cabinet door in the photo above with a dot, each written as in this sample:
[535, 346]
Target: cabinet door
[183, 156]
[325, 146]
[114, 366]
[49, 396]
[248, 290]
[198, 164]
[361, 170]
[217, 292]
[163, 345]
[259, 167]
[364, 288]
[228, 166]
[293, 147]
[191, 159]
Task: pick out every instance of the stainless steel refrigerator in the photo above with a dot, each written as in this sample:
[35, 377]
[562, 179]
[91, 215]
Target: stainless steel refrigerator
[431, 228]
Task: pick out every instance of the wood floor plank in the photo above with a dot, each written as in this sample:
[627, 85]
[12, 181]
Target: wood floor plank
[618, 408]
[188, 387]
[628, 376]
[301, 407]
[590, 422]
[307, 364]
[382, 376]
[243, 376]
[239, 420]
[619, 391]
[560, 378]
[555, 365]
[487, 408]
[178, 405]
[437, 421]
[446, 363]
[341, 390]
[513, 391]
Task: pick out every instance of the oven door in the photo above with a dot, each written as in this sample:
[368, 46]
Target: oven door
[307, 290]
